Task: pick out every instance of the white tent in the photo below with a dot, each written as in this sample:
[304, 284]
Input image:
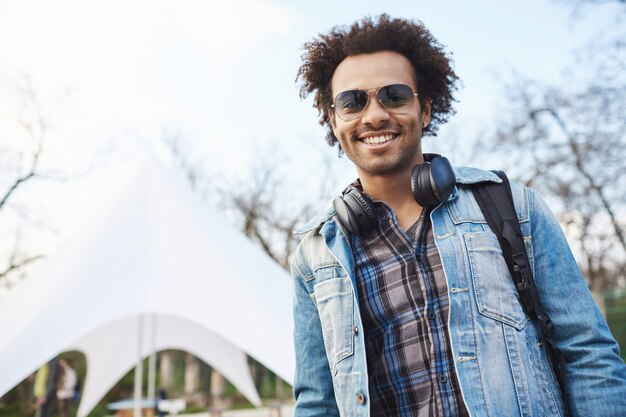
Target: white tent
[155, 256]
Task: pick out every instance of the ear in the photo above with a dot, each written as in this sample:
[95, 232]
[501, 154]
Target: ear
[425, 109]
[425, 112]
[333, 121]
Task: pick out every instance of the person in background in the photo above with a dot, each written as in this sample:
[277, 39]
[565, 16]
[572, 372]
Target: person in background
[67, 383]
[45, 405]
[39, 390]
[162, 395]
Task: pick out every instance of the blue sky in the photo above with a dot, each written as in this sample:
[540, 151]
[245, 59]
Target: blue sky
[115, 75]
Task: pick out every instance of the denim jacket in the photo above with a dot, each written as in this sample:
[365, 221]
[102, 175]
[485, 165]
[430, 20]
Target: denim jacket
[502, 367]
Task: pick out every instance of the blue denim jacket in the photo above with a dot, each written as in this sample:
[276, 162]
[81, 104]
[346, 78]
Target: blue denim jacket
[502, 368]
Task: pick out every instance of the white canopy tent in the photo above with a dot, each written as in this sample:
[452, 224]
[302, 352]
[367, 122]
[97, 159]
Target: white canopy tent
[156, 333]
[154, 252]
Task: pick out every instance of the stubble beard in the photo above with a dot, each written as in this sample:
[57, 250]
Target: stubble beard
[403, 160]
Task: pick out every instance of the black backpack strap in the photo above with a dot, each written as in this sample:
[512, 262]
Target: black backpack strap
[496, 203]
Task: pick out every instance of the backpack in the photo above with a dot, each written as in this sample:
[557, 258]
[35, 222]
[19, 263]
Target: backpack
[496, 203]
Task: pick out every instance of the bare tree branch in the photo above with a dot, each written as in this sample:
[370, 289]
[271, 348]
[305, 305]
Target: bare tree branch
[256, 203]
[570, 141]
[18, 264]
[580, 166]
[36, 130]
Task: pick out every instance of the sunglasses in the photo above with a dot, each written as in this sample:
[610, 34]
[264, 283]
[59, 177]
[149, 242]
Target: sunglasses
[396, 98]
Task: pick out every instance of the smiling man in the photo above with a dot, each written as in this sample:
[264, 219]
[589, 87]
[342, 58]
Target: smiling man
[403, 302]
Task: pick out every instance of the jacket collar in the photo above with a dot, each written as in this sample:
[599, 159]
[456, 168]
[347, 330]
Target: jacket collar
[469, 175]
[464, 176]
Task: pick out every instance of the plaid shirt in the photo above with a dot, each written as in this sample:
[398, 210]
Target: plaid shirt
[404, 307]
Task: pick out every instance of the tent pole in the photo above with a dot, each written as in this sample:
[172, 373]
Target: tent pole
[152, 360]
[138, 371]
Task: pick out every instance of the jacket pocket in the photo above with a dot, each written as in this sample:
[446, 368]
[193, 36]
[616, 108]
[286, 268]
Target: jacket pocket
[494, 290]
[335, 303]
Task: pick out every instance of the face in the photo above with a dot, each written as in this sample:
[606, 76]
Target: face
[379, 142]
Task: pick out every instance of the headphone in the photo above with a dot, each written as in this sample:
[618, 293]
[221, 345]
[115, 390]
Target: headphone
[432, 183]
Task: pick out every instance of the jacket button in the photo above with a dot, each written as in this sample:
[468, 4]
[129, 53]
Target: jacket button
[360, 397]
[355, 330]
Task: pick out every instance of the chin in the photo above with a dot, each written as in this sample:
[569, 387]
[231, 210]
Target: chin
[383, 169]
[392, 166]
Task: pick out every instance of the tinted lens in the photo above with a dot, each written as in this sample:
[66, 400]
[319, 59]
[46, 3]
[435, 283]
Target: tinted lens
[350, 103]
[396, 97]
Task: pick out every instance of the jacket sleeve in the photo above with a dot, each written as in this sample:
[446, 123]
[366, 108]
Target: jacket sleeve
[313, 386]
[595, 373]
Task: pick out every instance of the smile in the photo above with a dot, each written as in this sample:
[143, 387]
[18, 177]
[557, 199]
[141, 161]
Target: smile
[377, 140]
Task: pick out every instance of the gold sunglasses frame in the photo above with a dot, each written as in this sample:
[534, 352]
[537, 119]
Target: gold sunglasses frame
[368, 90]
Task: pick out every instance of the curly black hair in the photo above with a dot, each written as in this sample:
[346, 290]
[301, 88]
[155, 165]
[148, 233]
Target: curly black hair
[436, 80]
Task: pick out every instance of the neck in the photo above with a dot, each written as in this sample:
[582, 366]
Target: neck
[395, 191]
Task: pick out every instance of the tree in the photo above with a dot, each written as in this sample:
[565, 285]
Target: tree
[256, 206]
[262, 202]
[569, 141]
[27, 127]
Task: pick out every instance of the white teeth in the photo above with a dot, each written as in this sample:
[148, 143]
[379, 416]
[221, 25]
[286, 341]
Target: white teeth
[375, 140]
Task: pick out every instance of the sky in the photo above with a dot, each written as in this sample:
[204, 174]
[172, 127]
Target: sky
[112, 78]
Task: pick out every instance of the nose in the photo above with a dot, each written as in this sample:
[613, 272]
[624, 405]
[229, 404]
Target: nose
[374, 114]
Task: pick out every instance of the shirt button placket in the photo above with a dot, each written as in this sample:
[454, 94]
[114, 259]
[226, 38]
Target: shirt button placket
[443, 378]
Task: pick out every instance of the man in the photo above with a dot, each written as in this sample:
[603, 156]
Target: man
[39, 389]
[407, 308]
[65, 393]
[46, 400]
